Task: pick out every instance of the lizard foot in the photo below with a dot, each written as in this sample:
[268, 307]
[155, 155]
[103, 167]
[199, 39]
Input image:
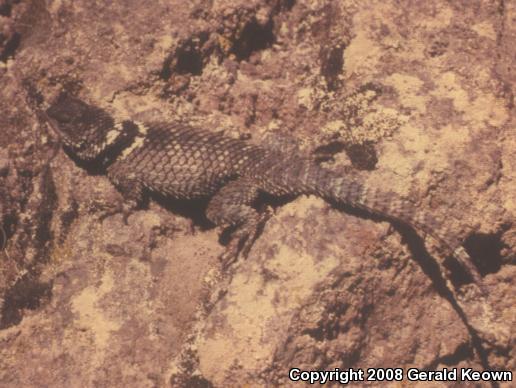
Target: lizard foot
[243, 238]
[125, 208]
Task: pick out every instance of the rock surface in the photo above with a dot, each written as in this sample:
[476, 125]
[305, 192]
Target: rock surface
[416, 97]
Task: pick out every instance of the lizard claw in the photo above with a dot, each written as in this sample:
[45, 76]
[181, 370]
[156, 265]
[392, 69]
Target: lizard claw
[231, 254]
[126, 212]
[126, 208]
[105, 211]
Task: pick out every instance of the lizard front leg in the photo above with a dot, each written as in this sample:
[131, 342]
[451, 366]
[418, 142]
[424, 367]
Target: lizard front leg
[129, 185]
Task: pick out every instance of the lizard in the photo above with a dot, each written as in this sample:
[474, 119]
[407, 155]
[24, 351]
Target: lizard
[184, 162]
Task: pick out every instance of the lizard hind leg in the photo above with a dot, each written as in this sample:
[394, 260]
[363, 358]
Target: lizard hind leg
[231, 207]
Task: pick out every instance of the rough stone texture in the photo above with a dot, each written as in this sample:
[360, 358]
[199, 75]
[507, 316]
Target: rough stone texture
[415, 96]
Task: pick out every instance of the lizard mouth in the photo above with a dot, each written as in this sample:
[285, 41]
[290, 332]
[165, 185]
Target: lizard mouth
[54, 125]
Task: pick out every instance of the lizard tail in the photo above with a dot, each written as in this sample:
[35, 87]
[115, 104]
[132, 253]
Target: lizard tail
[389, 205]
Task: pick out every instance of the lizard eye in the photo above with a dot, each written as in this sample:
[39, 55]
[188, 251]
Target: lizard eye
[66, 109]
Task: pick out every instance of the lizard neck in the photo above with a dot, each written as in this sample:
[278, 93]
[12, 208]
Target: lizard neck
[127, 133]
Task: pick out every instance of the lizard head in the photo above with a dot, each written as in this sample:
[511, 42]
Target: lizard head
[85, 129]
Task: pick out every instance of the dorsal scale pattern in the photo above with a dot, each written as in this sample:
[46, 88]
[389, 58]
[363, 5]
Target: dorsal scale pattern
[182, 162]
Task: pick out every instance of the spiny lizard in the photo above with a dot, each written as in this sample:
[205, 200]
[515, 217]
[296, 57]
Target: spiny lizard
[182, 162]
